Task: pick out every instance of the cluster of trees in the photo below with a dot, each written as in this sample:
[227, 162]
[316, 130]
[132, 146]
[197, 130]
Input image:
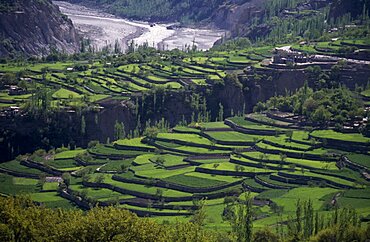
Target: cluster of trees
[287, 22]
[8, 5]
[340, 225]
[337, 104]
[22, 220]
[233, 44]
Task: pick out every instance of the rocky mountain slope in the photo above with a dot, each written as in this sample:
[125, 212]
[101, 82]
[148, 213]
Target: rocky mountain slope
[34, 27]
[254, 19]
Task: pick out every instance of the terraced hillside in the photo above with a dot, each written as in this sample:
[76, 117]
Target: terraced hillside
[76, 84]
[166, 175]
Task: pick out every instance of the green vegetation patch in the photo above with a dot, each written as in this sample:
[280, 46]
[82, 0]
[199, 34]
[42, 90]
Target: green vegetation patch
[289, 200]
[62, 163]
[135, 142]
[234, 136]
[194, 181]
[348, 137]
[360, 159]
[15, 165]
[68, 154]
[65, 94]
[15, 186]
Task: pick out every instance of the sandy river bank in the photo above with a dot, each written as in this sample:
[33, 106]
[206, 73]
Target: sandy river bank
[105, 29]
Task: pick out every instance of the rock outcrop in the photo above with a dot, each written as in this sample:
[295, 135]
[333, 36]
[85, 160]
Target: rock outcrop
[236, 15]
[35, 27]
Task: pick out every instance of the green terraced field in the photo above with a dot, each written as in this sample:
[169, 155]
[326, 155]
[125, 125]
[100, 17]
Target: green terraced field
[185, 180]
[330, 134]
[165, 175]
[68, 154]
[180, 170]
[252, 125]
[233, 136]
[360, 159]
[314, 164]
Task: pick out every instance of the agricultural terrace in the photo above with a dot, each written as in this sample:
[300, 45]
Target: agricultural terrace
[166, 176]
[79, 84]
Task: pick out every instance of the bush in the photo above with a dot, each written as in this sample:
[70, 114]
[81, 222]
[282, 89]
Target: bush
[92, 143]
[265, 235]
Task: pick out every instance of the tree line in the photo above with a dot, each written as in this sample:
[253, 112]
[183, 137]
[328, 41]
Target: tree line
[23, 220]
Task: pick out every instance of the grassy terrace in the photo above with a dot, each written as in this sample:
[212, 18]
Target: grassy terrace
[240, 121]
[360, 159]
[189, 138]
[161, 170]
[233, 136]
[212, 125]
[319, 176]
[272, 148]
[78, 84]
[185, 164]
[68, 154]
[100, 194]
[151, 171]
[330, 134]
[148, 176]
[139, 188]
[185, 180]
[184, 149]
[63, 163]
[14, 185]
[265, 158]
[136, 142]
[284, 141]
[17, 167]
[227, 166]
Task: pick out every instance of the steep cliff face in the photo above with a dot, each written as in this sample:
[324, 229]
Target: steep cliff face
[34, 27]
[237, 15]
[354, 8]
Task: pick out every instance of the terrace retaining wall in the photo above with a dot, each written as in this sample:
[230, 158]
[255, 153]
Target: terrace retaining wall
[295, 155]
[269, 185]
[84, 163]
[173, 186]
[135, 193]
[66, 85]
[18, 174]
[176, 150]
[278, 162]
[285, 146]
[287, 180]
[65, 194]
[133, 202]
[334, 175]
[111, 156]
[271, 124]
[351, 146]
[142, 213]
[41, 167]
[244, 130]
[186, 132]
[229, 173]
[318, 179]
[180, 142]
[258, 165]
[354, 166]
[254, 189]
[154, 197]
[224, 142]
[135, 148]
[277, 117]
